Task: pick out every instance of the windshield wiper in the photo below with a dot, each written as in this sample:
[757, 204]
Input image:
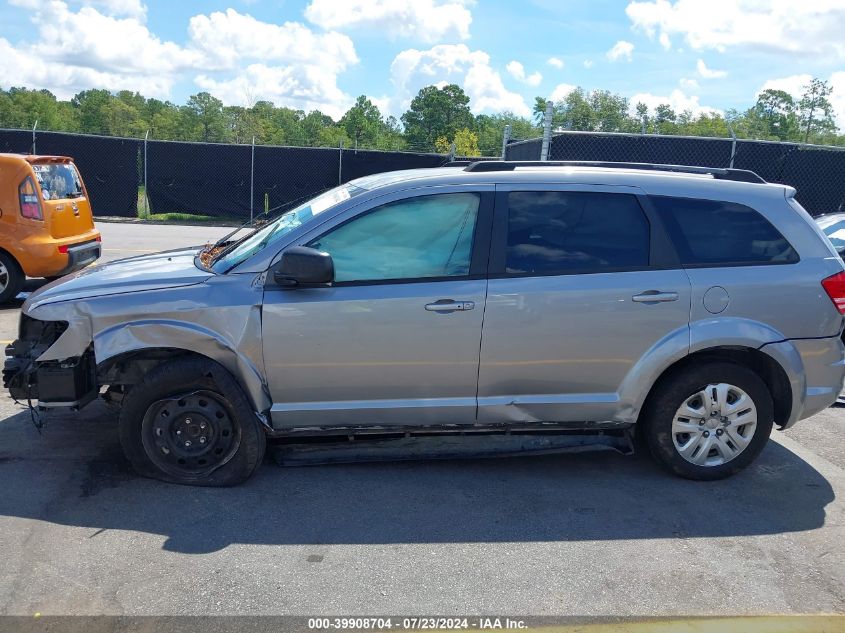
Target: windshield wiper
[264, 217]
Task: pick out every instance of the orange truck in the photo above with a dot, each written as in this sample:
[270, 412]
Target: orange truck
[46, 225]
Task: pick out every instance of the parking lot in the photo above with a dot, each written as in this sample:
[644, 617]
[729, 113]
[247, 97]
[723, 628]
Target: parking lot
[582, 534]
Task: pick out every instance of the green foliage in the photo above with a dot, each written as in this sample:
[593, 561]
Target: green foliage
[437, 116]
[435, 113]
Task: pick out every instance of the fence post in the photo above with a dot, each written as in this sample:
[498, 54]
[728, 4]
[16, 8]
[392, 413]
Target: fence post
[252, 181]
[146, 190]
[35, 125]
[547, 130]
[340, 164]
[733, 143]
[506, 137]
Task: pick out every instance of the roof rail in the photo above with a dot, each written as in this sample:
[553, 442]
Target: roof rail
[719, 173]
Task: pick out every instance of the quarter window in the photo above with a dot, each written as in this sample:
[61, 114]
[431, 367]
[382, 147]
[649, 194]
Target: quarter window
[555, 232]
[710, 232]
[423, 237]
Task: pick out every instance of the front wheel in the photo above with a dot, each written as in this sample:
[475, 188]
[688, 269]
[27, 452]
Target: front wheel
[11, 278]
[709, 421]
[189, 422]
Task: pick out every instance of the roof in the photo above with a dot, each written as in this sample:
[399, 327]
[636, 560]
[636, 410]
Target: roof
[691, 182]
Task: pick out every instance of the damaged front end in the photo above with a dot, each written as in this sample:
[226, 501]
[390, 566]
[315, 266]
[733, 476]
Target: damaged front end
[70, 382]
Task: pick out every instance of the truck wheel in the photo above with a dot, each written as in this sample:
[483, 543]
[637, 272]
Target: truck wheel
[11, 278]
[708, 421]
[189, 422]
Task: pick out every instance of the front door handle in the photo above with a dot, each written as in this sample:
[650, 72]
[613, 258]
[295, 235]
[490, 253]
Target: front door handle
[655, 296]
[449, 305]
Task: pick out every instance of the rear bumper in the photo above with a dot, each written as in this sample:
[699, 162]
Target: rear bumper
[79, 256]
[39, 256]
[816, 371]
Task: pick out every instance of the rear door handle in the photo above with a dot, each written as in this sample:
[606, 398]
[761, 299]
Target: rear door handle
[655, 296]
[449, 305]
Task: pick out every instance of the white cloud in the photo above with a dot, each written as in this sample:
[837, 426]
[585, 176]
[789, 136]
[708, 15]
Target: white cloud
[130, 8]
[426, 20]
[709, 73]
[302, 87]
[560, 92]
[620, 50]
[689, 84]
[226, 38]
[517, 71]
[19, 66]
[235, 56]
[75, 50]
[588, 63]
[665, 41]
[677, 100]
[453, 63]
[556, 62]
[811, 27]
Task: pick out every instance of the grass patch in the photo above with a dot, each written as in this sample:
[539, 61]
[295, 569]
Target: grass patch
[187, 218]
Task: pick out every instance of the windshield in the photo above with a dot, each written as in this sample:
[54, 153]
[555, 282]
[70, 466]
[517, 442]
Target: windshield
[58, 181]
[284, 224]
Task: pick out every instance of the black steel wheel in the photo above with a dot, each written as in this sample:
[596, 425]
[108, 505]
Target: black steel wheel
[189, 422]
[191, 433]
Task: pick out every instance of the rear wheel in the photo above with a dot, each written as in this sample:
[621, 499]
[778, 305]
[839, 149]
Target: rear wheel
[189, 422]
[11, 278]
[709, 421]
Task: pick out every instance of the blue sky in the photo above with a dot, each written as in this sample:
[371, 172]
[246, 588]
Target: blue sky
[309, 54]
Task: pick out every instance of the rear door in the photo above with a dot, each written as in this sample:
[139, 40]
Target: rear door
[582, 286]
[67, 210]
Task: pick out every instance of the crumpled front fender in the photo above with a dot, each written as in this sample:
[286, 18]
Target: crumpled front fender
[220, 319]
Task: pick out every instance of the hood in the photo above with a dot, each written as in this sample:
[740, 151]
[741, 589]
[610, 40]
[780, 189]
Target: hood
[169, 269]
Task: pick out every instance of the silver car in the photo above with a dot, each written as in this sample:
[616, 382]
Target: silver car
[694, 308]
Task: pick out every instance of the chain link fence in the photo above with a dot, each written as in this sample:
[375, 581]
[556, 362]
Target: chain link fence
[817, 172]
[172, 180]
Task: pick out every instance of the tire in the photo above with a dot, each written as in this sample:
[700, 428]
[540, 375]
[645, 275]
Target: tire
[733, 441]
[191, 401]
[11, 277]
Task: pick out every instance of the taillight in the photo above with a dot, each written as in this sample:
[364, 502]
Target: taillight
[834, 286]
[30, 202]
[63, 249]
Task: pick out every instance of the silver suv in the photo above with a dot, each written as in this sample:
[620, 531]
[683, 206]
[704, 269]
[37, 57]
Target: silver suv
[688, 308]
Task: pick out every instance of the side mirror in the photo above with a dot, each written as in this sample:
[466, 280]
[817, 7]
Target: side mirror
[303, 266]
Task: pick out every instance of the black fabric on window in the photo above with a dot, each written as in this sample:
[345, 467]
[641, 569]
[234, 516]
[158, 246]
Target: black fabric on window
[713, 232]
[561, 232]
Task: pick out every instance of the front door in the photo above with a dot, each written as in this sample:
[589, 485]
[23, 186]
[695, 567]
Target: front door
[395, 340]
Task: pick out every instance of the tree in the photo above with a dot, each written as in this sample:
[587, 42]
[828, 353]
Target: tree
[206, 112]
[773, 116]
[815, 111]
[642, 116]
[491, 127]
[436, 112]
[362, 121]
[91, 108]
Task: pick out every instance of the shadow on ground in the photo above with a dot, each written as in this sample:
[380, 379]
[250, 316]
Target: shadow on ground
[74, 474]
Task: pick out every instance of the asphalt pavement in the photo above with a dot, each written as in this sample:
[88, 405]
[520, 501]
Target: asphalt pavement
[580, 534]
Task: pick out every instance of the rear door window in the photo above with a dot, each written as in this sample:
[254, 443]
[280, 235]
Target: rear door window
[563, 232]
[714, 233]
